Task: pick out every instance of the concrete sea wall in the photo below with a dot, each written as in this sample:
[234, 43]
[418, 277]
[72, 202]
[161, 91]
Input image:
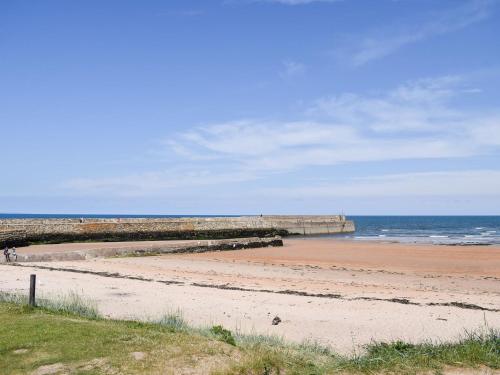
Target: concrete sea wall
[162, 247]
[21, 231]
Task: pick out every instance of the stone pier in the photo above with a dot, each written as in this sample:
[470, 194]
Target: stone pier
[32, 231]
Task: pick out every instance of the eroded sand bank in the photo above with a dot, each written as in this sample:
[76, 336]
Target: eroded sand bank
[339, 293]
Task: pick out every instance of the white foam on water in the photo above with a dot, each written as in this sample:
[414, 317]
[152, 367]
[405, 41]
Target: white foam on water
[367, 238]
[438, 236]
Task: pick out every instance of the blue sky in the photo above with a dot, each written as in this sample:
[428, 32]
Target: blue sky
[271, 106]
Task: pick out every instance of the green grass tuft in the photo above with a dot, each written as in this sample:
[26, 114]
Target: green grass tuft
[223, 334]
[71, 303]
[173, 321]
[14, 298]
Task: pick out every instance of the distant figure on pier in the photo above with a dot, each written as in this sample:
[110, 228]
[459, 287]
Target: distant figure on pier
[14, 254]
[6, 254]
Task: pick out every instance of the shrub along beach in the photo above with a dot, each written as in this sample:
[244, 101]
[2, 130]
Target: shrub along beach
[69, 336]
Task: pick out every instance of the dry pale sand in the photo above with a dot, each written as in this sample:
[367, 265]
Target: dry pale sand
[338, 293]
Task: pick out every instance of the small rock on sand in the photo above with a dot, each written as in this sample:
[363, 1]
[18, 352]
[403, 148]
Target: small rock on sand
[276, 321]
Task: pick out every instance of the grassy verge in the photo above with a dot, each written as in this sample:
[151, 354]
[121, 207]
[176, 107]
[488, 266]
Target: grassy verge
[70, 337]
[71, 303]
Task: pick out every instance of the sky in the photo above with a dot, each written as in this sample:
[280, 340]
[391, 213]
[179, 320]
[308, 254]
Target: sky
[250, 107]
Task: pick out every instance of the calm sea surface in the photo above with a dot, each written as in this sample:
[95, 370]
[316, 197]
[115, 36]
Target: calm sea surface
[425, 229]
[428, 229]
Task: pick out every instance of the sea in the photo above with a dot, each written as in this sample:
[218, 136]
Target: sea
[446, 230]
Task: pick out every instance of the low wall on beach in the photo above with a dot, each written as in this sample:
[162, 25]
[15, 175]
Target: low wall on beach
[144, 249]
[134, 229]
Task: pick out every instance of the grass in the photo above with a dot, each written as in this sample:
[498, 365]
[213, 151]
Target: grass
[223, 334]
[474, 350]
[33, 338]
[70, 333]
[173, 321]
[71, 303]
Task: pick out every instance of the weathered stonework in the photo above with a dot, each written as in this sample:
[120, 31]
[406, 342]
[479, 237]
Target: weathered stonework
[170, 247]
[133, 229]
[13, 237]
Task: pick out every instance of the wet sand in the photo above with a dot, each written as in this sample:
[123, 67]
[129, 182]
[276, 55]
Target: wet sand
[336, 292]
[420, 258]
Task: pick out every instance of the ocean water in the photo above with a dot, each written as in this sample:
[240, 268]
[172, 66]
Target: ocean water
[456, 230]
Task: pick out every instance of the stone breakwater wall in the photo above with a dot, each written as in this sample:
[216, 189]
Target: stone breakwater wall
[156, 249]
[13, 237]
[135, 229]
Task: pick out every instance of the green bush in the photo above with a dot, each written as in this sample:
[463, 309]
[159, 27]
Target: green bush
[223, 334]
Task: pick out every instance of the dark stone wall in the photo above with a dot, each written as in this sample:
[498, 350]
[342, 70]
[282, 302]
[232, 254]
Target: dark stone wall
[149, 235]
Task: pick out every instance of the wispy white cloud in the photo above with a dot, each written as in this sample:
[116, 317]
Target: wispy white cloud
[414, 121]
[155, 182]
[441, 183]
[421, 105]
[283, 146]
[486, 132]
[386, 41]
[417, 120]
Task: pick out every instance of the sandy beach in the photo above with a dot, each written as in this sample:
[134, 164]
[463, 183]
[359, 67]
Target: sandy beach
[339, 293]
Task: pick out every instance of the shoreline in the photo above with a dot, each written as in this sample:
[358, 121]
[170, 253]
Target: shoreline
[332, 292]
[392, 240]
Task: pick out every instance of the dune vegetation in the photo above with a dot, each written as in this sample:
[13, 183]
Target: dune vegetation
[67, 335]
